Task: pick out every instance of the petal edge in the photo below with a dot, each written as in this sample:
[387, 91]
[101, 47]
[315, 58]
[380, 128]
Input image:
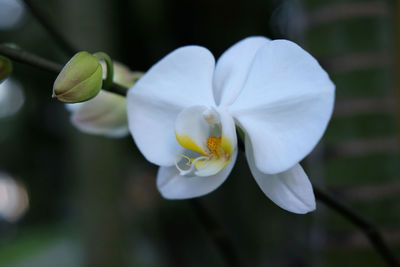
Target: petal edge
[173, 186]
[285, 105]
[182, 78]
[291, 190]
[232, 68]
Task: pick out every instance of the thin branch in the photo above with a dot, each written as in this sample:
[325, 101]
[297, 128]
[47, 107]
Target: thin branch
[216, 233]
[373, 235]
[371, 232]
[28, 58]
[48, 25]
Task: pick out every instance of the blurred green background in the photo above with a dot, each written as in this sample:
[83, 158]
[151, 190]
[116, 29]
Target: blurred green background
[82, 200]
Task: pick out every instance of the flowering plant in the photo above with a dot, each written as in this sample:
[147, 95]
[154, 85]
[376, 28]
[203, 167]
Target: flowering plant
[182, 115]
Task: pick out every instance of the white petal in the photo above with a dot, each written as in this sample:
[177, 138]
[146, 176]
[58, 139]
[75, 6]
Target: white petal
[290, 190]
[284, 106]
[232, 68]
[192, 130]
[181, 79]
[103, 115]
[174, 186]
[73, 107]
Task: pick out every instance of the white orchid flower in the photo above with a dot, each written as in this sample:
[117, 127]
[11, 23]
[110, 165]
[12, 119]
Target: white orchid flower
[182, 114]
[105, 114]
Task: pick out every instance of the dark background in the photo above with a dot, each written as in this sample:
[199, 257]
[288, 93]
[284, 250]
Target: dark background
[93, 200]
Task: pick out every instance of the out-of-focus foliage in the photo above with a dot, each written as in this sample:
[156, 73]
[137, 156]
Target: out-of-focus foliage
[5, 68]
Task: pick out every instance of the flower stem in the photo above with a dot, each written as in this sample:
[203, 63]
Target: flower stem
[25, 57]
[371, 232]
[110, 69]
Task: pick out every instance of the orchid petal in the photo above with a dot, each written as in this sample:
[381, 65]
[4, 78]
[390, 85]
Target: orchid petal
[74, 106]
[103, 115]
[232, 68]
[285, 105]
[181, 79]
[291, 190]
[174, 186]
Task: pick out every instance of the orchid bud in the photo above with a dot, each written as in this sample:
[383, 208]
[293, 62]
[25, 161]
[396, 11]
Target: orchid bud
[79, 80]
[5, 68]
[106, 113]
[103, 115]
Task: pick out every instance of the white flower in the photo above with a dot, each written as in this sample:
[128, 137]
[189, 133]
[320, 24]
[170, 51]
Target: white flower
[182, 114]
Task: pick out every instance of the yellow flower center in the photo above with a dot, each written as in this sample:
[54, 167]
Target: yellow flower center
[214, 144]
[213, 158]
[207, 150]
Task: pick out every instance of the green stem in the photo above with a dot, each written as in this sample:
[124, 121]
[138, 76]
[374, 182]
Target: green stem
[21, 56]
[28, 58]
[110, 69]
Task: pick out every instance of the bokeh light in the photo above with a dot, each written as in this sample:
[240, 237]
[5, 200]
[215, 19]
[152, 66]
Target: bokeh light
[11, 13]
[14, 200]
[11, 97]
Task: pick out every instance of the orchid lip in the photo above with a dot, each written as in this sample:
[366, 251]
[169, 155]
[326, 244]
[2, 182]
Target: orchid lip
[207, 150]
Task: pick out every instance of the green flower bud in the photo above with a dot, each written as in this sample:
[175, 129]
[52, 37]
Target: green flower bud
[5, 68]
[79, 80]
[106, 113]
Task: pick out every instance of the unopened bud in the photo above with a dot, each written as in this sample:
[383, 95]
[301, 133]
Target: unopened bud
[106, 113]
[103, 115]
[79, 80]
[5, 68]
